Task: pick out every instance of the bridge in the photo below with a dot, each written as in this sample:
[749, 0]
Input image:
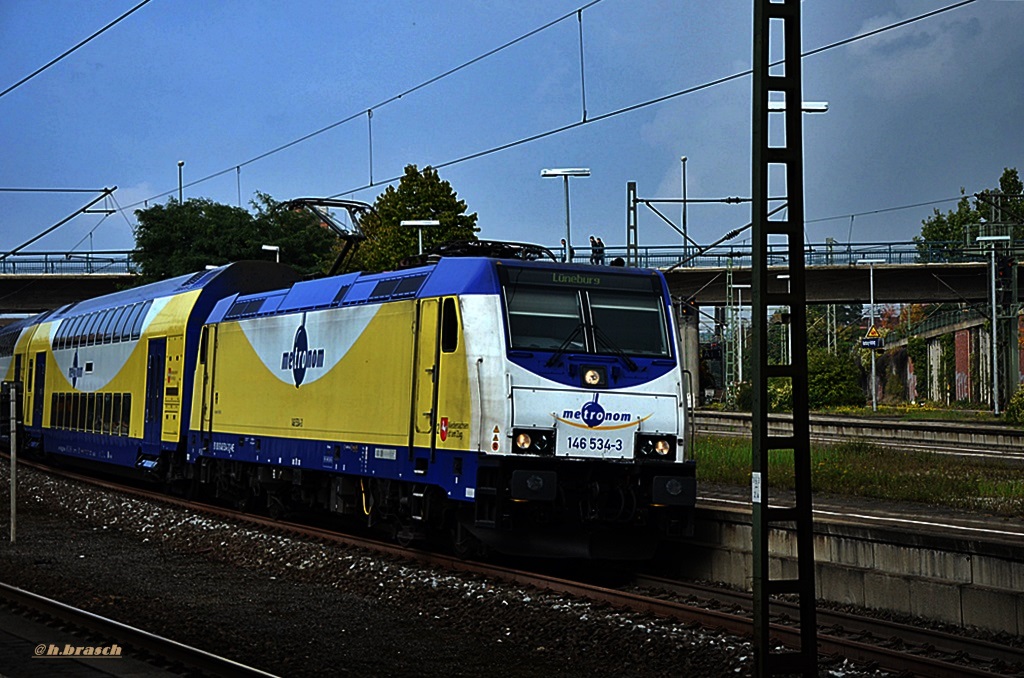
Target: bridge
[31, 282]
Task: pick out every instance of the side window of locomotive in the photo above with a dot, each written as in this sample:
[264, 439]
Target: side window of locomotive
[449, 326]
[632, 323]
[542, 318]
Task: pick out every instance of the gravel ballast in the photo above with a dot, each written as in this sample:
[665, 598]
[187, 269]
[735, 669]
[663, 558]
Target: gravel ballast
[302, 608]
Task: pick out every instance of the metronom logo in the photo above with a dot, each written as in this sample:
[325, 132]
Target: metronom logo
[49, 651]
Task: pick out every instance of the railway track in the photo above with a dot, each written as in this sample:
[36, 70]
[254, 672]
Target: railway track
[966, 439]
[914, 651]
[178, 657]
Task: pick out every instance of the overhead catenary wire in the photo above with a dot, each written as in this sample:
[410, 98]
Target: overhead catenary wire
[76, 47]
[551, 132]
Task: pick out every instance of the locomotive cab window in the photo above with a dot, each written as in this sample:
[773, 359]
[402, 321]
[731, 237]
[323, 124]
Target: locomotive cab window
[599, 313]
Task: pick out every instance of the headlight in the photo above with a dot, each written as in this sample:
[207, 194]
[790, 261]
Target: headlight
[534, 441]
[655, 446]
[594, 377]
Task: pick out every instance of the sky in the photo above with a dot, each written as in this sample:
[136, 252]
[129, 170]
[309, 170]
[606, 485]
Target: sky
[915, 114]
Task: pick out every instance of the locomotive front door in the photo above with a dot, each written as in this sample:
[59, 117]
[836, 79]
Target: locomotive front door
[423, 425]
[38, 398]
[154, 390]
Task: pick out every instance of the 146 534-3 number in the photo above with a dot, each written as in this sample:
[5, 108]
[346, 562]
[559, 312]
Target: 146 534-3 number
[595, 444]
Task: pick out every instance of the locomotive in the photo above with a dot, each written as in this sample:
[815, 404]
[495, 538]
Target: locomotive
[501, 402]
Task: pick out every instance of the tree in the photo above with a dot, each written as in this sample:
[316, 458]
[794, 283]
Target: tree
[180, 238]
[1005, 205]
[944, 236]
[420, 195]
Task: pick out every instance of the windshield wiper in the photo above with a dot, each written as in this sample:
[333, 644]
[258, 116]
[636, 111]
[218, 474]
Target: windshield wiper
[601, 337]
[560, 351]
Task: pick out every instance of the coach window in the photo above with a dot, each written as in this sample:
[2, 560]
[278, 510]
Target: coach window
[53, 411]
[72, 340]
[449, 326]
[126, 413]
[90, 411]
[137, 320]
[62, 332]
[115, 415]
[108, 326]
[80, 411]
[108, 411]
[90, 329]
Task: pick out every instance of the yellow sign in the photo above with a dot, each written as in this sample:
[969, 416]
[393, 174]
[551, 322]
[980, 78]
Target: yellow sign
[872, 333]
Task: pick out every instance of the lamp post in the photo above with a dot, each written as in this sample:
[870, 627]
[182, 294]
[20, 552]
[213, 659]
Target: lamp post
[276, 249]
[418, 224]
[871, 277]
[686, 240]
[181, 164]
[992, 240]
[739, 303]
[565, 173]
[788, 346]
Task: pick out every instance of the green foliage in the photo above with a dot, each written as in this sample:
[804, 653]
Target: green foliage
[1015, 408]
[181, 238]
[420, 195]
[944, 236]
[780, 395]
[832, 380]
[863, 470]
[917, 351]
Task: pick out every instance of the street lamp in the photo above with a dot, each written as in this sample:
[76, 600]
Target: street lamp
[874, 377]
[181, 164]
[806, 107]
[993, 239]
[565, 173]
[418, 224]
[276, 249]
[686, 240]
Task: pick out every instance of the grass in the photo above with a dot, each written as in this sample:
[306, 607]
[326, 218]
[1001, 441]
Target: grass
[862, 470]
[922, 412]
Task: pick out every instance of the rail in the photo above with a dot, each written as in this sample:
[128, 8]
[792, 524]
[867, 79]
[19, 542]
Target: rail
[949, 437]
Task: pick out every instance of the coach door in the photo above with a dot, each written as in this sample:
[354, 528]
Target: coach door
[154, 390]
[38, 395]
[207, 365]
[425, 378]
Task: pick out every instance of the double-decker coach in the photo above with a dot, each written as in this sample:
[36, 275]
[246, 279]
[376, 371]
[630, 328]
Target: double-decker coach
[108, 380]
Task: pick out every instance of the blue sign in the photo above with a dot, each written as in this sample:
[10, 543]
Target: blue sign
[874, 342]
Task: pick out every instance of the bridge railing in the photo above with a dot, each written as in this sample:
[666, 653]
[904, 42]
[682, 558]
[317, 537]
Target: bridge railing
[68, 263]
[816, 254]
[655, 256]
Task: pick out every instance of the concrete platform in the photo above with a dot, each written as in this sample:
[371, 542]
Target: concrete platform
[951, 566]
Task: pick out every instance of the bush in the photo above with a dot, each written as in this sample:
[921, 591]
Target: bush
[832, 380]
[1015, 408]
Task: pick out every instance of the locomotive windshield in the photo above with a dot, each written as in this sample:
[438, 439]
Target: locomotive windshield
[592, 313]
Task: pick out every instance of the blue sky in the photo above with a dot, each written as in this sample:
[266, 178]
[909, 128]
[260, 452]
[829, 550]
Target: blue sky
[915, 113]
